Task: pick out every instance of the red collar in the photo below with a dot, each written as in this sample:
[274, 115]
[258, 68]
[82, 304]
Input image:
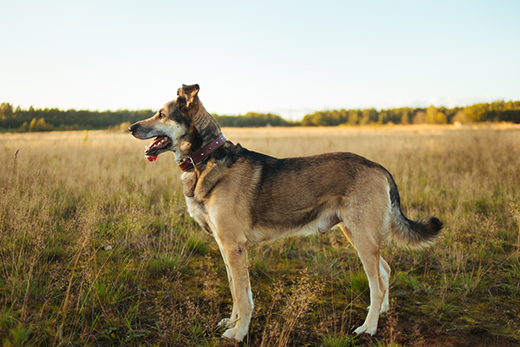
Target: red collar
[190, 162]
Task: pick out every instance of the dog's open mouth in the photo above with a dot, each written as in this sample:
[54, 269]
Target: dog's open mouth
[156, 146]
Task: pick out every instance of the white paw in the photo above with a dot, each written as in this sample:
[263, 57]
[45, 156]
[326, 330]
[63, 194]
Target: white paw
[234, 334]
[365, 329]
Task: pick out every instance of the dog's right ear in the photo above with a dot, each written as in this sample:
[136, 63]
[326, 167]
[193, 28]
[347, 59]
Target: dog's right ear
[187, 96]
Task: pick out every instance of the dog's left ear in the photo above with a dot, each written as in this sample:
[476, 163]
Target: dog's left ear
[187, 96]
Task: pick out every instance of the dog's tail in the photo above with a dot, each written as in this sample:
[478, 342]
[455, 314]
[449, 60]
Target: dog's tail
[410, 233]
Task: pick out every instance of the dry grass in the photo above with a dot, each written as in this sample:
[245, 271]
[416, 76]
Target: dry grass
[96, 247]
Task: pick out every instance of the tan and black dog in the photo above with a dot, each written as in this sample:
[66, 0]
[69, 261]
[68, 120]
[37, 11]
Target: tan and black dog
[243, 197]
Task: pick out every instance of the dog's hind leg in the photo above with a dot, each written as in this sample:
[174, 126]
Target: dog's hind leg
[369, 255]
[384, 270]
[367, 247]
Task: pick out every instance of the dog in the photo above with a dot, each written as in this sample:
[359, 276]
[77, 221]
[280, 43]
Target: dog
[243, 197]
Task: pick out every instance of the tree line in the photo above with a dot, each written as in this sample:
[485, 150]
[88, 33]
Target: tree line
[498, 111]
[20, 120]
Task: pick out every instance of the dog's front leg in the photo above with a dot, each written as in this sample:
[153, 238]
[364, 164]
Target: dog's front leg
[229, 322]
[235, 254]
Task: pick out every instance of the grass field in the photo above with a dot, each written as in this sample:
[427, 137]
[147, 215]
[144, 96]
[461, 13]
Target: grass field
[97, 249]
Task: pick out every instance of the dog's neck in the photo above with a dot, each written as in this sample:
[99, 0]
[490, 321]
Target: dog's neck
[190, 162]
[206, 126]
[204, 130]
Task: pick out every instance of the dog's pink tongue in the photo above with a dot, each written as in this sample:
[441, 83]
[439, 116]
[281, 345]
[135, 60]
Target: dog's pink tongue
[152, 158]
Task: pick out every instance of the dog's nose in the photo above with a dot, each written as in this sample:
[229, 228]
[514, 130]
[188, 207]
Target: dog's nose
[132, 127]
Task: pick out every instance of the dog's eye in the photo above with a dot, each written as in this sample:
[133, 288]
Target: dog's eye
[161, 115]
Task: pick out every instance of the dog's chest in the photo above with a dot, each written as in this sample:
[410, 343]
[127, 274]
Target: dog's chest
[196, 189]
[198, 212]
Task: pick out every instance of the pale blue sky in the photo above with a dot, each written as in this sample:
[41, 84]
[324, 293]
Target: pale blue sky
[285, 57]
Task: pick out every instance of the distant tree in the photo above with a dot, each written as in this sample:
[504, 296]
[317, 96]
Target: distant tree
[511, 116]
[368, 115]
[431, 114]
[17, 112]
[419, 117]
[459, 117]
[405, 118]
[24, 127]
[440, 118]
[42, 125]
[383, 117]
[353, 117]
[475, 113]
[6, 110]
[32, 125]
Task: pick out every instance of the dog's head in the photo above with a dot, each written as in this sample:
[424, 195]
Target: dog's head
[173, 126]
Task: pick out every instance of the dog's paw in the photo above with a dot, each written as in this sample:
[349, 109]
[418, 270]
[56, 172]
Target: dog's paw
[234, 334]
[365, 329]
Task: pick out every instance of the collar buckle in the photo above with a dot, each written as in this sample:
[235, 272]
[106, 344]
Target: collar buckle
[197, 158]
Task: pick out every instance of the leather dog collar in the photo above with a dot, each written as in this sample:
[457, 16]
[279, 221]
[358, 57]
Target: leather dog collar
[190, 162]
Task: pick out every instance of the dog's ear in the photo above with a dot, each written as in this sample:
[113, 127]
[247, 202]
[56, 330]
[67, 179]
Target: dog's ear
[187, 96]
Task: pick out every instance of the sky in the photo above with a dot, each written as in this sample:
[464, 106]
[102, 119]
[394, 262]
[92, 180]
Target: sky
[290, 58]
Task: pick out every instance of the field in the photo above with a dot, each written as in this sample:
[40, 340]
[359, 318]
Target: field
[97, 248]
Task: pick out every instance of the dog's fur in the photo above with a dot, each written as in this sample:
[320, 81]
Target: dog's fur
[243, 197]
